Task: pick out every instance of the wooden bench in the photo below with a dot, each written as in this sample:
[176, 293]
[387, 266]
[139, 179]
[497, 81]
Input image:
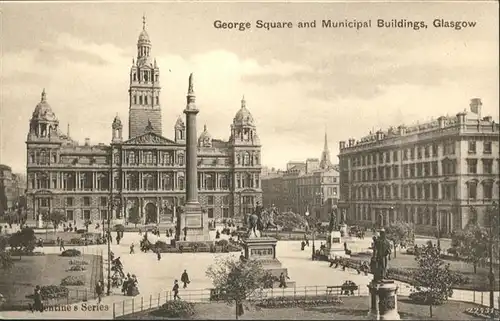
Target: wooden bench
[333, 290]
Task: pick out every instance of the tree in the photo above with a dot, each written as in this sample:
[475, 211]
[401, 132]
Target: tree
[56, 217]
[289, 220]
[471, 243]
[5, 258]
[133, 216]
[399, 232]
[23, 240]
[433, 280]
[236, 281]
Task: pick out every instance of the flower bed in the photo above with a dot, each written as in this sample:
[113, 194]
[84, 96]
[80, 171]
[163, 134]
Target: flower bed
[77, 268]
[71, 253]
[52, 292]
[176, 309]
[484, 312]
[73, 280]
[290, 302]
[25, 253]
[78, 262]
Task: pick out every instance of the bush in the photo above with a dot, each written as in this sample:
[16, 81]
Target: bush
[77, 268]
[421, 298]
[73, 280]
[71, 253]
[176, 309]
[222, 243]
[81, 231]
[78, 262]
[24, 253]
[290, 302]
[52, 292]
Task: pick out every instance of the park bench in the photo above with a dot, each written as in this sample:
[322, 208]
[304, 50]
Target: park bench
[335, 290]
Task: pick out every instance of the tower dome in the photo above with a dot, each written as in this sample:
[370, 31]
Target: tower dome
[143, 36]
[205, 139]
[243, 117]
[43, 111]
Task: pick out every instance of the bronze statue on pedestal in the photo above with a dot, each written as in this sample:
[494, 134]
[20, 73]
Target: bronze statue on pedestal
[379, 260]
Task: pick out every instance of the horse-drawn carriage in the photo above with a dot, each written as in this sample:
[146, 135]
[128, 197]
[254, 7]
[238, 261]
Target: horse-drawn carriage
[118, 274]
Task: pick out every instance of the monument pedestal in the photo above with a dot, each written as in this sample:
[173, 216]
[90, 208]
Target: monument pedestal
[336, 247]
[263, 249]
[383, 301]
[195, 221]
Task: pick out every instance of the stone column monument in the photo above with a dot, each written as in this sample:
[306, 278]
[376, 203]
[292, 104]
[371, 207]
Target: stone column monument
[193, 223]
[383, 292]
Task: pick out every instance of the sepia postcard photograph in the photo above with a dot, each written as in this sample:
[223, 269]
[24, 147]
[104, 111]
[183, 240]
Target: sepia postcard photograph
[287, 160]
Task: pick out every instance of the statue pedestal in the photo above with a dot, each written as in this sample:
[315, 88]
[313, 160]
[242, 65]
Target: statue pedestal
[336, 247]
[196, 222]
[263, 249]
[343, 230]
[383, 301]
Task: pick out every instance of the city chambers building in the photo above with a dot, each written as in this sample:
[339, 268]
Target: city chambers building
[146, 172]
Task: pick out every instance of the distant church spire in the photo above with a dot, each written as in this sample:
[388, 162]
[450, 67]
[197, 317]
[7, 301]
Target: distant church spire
[44, 95]
[325, 162]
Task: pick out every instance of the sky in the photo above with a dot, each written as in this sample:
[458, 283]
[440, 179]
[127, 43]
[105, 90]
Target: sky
[297, 82]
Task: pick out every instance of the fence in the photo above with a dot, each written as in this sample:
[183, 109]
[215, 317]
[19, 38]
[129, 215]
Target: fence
[145, 303]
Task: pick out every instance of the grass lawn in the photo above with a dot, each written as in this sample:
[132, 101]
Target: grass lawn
[30, 271]
[354, 308]
[478, 281]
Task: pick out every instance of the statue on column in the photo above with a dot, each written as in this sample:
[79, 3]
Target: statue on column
[380, 258]
[333, 220]
[381, 220]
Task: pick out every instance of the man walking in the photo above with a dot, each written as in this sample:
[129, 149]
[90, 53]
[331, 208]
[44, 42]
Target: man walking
[99, 289]
[185, 279]
[175, 289]
[61, 245]
[132, 248]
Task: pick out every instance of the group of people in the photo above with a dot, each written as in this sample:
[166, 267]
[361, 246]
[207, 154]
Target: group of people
[304, 243]
[185, 280]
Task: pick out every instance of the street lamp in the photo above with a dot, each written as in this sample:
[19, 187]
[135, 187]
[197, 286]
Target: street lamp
[313, 232]
[112, 204]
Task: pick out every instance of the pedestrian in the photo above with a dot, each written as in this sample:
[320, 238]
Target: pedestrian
[302, 245]
[185, 279]
[61, 245]
[283, 280]
[132, 248]
[175, 289]
[158, 254]
[140, 231]
[99, 289]
[217, 235]
[37, 298]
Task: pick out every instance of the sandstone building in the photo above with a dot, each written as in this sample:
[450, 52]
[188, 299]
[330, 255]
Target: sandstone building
[436, 175]
[146, 172]
[311, 186]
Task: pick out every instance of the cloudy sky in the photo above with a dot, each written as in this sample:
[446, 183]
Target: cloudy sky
[297, 82]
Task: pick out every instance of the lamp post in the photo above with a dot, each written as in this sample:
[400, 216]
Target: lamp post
[112, 204]
[313, 232]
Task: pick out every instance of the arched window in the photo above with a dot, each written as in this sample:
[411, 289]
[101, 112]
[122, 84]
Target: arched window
[238, 159]
[167, 183]
[248, 182]
[140, 100]
[135, 76]
[223, 182]
[145, 100]
[157, 100]
[146, 76]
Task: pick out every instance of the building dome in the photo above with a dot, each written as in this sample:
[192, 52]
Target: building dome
[243, 117]
[43, 111]
[205, 139]
[144, 37]
[179, 123]
[117, 123]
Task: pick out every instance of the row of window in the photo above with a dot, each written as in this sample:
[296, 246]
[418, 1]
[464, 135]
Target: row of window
[418, 152]
[145, 99]
[425, 191]
[423, 217]
[425, 169]
[145, 75]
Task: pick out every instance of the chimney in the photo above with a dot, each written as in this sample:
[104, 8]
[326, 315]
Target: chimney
[461, 118]
[401, 130]
[441, 121]
[351, 142]
[380, 135]
[341, 144]
[87, 141]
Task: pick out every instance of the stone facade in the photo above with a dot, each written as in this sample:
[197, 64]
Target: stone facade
[311, 186]
[434, 175]
[145, 173]
[11, 190]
